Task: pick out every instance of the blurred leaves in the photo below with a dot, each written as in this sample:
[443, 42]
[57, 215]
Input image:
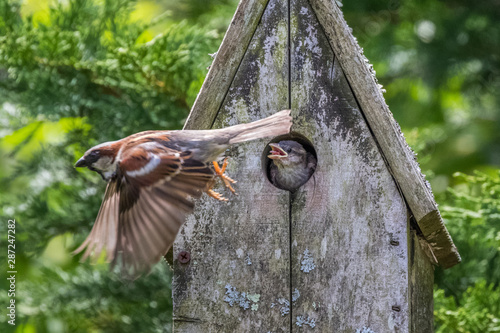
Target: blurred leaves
[80, 72]
[94, 300]
[440, 64]
[74, 74]
[472, 216]
[91, 61]
[469, 300]
[478, 312]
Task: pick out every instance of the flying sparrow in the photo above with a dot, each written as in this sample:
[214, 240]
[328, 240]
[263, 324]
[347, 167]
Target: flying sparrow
[291, 166]
[152, 178]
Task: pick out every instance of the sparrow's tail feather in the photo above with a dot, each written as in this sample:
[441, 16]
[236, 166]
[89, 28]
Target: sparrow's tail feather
[277, 124]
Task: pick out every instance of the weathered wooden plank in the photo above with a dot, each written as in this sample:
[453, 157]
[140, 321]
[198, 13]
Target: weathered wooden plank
[393, 145]
[344, 267]
[421, 286]
[243, 246]
[225, 64]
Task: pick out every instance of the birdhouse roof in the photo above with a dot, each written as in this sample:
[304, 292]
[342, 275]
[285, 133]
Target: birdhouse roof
[401, 160]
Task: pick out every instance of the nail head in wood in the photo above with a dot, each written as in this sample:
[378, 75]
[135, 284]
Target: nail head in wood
[183, 257]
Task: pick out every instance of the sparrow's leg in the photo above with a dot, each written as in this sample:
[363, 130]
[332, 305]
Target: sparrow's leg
[216, 195]
[219, 171]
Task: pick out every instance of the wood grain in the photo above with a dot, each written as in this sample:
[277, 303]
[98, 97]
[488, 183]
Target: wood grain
[339, 254]
[226, 64]
[343, 220]
[243, 246]
[421, 287]
[399, 156]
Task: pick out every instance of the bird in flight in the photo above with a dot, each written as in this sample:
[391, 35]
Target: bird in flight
[291, 166]
[153, 177]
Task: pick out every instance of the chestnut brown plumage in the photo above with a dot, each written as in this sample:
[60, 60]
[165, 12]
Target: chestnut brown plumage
[153, 177]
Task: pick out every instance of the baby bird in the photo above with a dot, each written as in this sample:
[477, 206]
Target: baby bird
[291, 166]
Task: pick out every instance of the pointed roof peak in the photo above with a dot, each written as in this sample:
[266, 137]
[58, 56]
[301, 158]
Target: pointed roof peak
[401, 160]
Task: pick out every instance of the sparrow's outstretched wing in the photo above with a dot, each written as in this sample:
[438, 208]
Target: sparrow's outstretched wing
[145, 205]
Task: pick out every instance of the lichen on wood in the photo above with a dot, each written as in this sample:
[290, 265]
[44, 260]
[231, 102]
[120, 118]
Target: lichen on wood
[347, 213]
[334, 255]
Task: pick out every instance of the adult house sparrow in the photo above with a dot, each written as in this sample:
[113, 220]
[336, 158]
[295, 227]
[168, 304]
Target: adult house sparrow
[291, 166]
[152, 178]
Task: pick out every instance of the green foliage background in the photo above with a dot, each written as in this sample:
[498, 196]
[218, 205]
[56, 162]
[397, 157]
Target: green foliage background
[79, 72]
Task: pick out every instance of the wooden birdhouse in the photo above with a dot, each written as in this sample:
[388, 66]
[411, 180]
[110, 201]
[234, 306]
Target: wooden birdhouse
[353, 249]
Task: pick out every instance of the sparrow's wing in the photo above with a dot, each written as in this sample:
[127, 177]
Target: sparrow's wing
[154, 205]
[150, 198]
[105, 229]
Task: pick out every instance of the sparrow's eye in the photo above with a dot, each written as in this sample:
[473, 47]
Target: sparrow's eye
[92, 157]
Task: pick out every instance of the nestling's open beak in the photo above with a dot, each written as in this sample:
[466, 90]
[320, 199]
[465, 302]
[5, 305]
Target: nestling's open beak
[276, 152]
[81, 163]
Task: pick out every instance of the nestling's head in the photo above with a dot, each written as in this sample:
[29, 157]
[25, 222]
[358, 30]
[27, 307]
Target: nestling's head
[101, 159]
[292, 165]
[287, 153]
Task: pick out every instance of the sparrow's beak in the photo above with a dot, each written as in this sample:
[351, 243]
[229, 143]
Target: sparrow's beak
[276, 152]
[81, 163]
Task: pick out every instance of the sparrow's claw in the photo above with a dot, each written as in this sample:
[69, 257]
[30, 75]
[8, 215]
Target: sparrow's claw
[227, 181]
[216, 195]
[219, 171]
